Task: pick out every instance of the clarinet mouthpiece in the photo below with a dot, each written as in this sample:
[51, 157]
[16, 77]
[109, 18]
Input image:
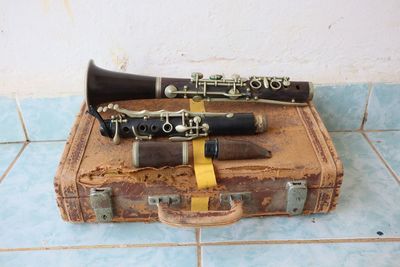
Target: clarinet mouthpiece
[235, 150]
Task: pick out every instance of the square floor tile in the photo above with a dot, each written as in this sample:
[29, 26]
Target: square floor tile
[341, 107]
[388, 145]
[8, 152]
[155, 256]
[11, 126]
[347, 254]
[368, 204]
[383, 107]
[30, 217]
[50, 118]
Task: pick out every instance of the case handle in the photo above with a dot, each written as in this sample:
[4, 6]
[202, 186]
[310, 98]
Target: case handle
[183, 218]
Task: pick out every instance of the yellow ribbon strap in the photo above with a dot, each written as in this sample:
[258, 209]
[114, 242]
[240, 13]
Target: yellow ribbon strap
[199, 203]
[203, 167]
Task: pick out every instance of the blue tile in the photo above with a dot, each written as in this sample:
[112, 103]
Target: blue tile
[165, 256]
[368, 203]
[383, 107]
[341, 106]
[50, 118]
[11, 127]
[356, 254]
[8, 152]
[31, 217]
[388, 145]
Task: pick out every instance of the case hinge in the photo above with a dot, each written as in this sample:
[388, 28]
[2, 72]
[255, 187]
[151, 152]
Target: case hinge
[296, 197]
[100, 200]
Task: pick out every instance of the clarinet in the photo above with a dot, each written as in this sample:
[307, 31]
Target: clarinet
[103, 86]
[182, 125]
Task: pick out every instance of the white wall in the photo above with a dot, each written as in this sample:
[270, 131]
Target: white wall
[45, 45]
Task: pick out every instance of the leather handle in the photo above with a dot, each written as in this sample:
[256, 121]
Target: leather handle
[185, 218]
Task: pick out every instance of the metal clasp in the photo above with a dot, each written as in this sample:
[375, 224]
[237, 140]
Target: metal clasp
[168, 199]
[226, 198]
[100, 200]
[296, 197]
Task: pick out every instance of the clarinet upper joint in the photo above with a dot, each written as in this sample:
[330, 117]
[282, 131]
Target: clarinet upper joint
[253, 89]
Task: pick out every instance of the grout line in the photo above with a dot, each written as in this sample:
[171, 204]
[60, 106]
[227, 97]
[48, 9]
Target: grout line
[48, 141]
[13, 142]
[157, 245]
[392, 172]
[218, 243]
[364, 131]
[21, 118]
[198, 247]
[14, 161]
[383, 130]
[365, 117]
[33, 141]
[310, 241]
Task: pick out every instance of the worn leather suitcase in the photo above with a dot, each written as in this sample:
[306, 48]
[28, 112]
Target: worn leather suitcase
[96, 182]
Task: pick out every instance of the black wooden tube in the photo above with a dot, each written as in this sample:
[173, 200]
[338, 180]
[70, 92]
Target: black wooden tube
[104, 86]
[237, 124]
[241, 123]
[299, 92]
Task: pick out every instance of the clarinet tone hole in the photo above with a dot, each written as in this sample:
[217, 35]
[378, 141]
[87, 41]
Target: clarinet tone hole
[142, 128]
[297, 87]
[167, 127]
[275, 85]
[154, 128]
[255, 84]
[125, 129]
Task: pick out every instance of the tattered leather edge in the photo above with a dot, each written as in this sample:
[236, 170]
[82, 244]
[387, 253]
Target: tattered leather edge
[334, 154]
[329, 142]
[58, 178]
[103, 176]
[65, 180]
[322, 152]
[101, 170]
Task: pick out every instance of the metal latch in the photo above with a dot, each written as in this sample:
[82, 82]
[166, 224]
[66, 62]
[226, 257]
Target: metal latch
[226, 198]
[168, 199]
[296, 197]
[100, 200]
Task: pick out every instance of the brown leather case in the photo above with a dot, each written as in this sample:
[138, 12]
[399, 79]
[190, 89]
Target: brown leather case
[96, 182]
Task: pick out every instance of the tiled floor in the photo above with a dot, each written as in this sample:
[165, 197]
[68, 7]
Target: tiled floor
[363, 231]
